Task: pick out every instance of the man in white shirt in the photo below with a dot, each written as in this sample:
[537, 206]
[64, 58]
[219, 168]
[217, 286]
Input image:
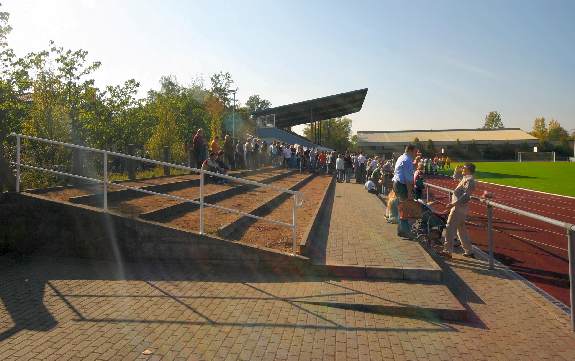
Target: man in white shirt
[360, 173]
[403, 184]
[287, 155]
[339, 168]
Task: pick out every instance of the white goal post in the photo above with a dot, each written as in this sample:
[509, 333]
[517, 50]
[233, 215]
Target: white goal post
[536, 156]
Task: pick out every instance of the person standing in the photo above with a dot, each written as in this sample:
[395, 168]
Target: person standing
[458, 213]
[360, 172]
[403, 184]
[215, 145]
[339, 168]
[229, 151]
[199, 148]
[287, 155]
[248, 153]
[239, 155]
[322, 159]
[348, 166]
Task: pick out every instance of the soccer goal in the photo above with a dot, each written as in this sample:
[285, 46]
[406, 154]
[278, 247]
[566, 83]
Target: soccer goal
[536, 156]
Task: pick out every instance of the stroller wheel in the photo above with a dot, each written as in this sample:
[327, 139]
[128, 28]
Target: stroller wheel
[424, 240]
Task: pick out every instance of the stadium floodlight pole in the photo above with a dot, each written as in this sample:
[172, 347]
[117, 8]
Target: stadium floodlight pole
[234, 114]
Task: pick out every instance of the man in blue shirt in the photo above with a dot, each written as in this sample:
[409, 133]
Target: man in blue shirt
[403, 183]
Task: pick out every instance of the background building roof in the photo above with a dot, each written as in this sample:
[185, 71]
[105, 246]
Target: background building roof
[445, 136]
[313, 110]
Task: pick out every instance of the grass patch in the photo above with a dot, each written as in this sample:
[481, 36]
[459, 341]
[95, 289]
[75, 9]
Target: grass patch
[557, 178]
[146, 174]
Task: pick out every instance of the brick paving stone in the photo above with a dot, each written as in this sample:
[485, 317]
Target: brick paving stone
[75, 309]
[359, 235]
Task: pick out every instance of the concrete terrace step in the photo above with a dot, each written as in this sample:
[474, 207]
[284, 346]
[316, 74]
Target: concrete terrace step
[280, 237]
[176, 208]
[240, 223]
[246, 200]
[160, 185]
[146, 203]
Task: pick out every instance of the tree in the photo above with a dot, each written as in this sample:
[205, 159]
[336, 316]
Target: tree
[353, 146]
[222, 86]
[539, 130]
[166, 133]
[11, 108]
[556, 132]
[336, 133]
[493, 121]
[418, 145]
[255, 103]
[215, 109]
[430, 148]
[113, 117]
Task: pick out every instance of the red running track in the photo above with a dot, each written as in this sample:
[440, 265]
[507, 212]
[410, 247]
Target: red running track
[534, 249]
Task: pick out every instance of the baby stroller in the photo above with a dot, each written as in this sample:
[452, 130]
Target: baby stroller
[429, 227]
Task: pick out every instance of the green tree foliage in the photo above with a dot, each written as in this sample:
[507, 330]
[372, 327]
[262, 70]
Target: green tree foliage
[222, 87]
[539, 130]
[175, 113]
[215, 109]
[493, 121]
[430, 148]
[336, 133]
[255, 103]
[11, 106]
[418, 145]
[556, 132]
[353, 146]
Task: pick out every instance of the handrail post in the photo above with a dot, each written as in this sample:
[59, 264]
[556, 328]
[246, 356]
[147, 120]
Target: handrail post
[130, 164]
[202, 201]
[490, 234]
[294, 233]
[18, 158]
[105, 180]
[571, 249]
[166, 158]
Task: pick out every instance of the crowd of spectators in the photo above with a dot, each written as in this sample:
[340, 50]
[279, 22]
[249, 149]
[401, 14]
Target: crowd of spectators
[253, 153]
[374, 172]
[402, 179]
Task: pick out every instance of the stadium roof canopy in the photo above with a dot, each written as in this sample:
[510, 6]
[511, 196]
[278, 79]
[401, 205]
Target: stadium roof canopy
[446, 136]
[313, 110]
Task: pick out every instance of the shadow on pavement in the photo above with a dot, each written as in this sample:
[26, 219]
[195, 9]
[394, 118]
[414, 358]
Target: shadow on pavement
[26, 286]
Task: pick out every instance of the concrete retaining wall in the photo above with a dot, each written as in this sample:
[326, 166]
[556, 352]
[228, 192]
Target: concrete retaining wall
[321, 213]
[33, 224]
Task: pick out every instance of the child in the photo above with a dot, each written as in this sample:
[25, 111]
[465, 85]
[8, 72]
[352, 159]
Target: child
[458, 173]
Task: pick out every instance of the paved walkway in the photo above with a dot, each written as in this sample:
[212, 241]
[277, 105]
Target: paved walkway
[66, 309]
[358, 233]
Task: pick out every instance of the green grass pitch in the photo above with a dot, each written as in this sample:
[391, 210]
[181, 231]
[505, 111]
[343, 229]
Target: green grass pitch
[557, 178]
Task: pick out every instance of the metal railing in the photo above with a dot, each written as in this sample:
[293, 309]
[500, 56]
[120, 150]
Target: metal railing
[297, 196]
[568, 227]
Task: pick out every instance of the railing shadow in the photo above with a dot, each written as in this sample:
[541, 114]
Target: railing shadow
[27, 285]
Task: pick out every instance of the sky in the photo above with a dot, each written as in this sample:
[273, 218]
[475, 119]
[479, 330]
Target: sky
[428, 64]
